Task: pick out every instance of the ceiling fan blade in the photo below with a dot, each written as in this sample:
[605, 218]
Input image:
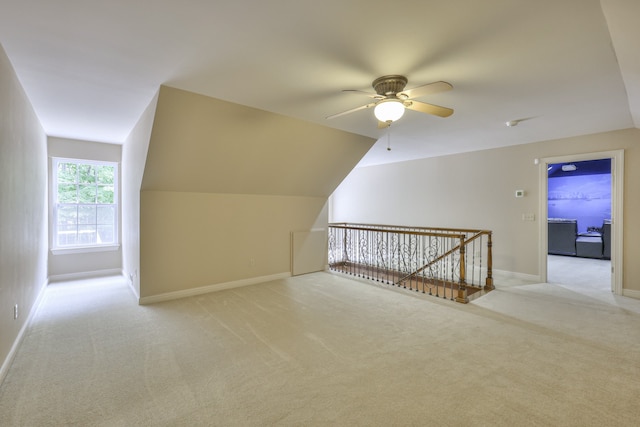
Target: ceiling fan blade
[422, 107]
[361, 92]
[353, 110]
[427, 89]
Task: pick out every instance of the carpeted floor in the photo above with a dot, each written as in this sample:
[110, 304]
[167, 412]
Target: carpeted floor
[322, 349]
[584, 275]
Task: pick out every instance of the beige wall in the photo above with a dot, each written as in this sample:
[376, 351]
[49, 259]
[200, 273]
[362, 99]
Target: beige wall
[224, 187]
[134, 156]
[68, 265]
[191, 240]
[476, 190]
[23, 210]
[205, 145]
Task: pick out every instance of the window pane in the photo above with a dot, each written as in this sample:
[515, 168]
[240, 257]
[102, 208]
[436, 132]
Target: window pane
[67, 172]
[86, 214]
[106, 234]
[86, 174]
[87, 194]
[67, 215]
[86, 234]
[67, 235]
[105, 174]
[106, 214]
[86, 197]
[105, 194]
[67, 193]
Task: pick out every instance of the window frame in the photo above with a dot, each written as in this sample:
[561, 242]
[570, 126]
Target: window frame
[79, 247]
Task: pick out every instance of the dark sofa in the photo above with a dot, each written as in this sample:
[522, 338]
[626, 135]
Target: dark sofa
[565, 240]
[562, 236]
[606, 239]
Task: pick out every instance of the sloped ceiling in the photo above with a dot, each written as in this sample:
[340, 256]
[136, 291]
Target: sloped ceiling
[202, 144]
[568, 66]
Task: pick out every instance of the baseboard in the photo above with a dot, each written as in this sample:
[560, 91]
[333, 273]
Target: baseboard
[16, 343]
[133, 289]
[631, 293]
[513, 275]
[85, 275]
[504, 275]
[211, 288]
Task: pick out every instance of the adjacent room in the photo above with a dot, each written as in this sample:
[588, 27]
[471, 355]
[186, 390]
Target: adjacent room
[579, 221]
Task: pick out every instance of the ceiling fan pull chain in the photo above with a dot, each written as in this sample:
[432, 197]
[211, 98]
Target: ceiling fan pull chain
[389, 139]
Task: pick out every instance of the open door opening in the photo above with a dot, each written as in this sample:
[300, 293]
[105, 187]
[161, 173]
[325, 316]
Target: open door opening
[581, 221]
[579, 224]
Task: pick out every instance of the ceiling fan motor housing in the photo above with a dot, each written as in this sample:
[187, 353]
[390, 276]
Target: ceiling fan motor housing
[389, 85]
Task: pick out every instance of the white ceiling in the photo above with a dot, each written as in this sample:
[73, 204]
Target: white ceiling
[90, 67]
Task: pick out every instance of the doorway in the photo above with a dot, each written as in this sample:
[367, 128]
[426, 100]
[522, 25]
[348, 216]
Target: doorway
[598, 272]
[579, 224]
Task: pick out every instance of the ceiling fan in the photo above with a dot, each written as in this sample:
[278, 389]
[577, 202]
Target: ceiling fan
[391, 99]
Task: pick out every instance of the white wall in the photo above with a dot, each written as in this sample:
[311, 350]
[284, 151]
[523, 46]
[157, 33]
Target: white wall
[476, 190]
[23, 210]
[134, 156]
[70, 265]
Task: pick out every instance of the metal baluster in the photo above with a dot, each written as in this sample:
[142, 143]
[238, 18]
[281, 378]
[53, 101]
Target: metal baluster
[359, 264]
[404, 260]
[480, 262]
[453, 273]
[369, 253]
[345, 256]
[389, 257]
[437, 279]
[352, 259]
[424, 259]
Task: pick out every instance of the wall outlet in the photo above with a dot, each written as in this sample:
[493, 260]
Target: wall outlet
[15, 312]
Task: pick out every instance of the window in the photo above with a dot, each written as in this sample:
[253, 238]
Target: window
[85, 199]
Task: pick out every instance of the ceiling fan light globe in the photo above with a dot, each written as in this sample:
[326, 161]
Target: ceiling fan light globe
[389, 111]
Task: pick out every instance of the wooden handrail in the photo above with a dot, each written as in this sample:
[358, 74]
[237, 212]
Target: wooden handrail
[434, 261]
[413, 233]
[382, 226]
[464, 236]
[463, 243]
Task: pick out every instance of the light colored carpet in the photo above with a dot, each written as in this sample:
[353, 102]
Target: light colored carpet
[322, 349]
[586, 275]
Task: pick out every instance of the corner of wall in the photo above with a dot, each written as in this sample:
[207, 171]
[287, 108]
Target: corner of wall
[134, 155]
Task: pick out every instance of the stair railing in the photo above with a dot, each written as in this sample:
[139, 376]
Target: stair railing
[448, 262]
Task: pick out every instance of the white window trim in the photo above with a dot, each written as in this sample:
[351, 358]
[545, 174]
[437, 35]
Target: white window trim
[61, 250]
[82, 249]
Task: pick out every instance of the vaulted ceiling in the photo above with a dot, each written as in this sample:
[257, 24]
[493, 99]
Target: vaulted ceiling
[568, 67]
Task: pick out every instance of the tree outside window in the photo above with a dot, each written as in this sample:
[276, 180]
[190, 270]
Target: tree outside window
[85, 197]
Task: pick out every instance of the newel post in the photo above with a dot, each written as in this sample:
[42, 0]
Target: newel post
[489, 282]
[462, 285]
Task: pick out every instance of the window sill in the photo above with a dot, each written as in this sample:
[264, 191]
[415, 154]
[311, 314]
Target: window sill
[85, 249]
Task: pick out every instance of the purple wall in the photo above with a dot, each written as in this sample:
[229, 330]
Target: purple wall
[586, 198]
